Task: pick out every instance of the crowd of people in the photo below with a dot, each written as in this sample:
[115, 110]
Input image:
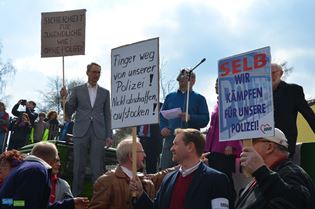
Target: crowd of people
[27, 126]
[194, 170]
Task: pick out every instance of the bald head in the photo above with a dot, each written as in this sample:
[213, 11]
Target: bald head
[46, 151]
[276, 73]
[276, 67]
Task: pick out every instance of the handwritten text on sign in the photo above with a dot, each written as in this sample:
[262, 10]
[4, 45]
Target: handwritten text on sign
[63, 33]
[135, 84]
[246, 107]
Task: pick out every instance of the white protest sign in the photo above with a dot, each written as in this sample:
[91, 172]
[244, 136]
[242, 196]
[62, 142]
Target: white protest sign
[245, 96]
[63, 33]
[135, 84]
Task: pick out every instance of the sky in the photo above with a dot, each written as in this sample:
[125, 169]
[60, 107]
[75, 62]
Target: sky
[188, 31]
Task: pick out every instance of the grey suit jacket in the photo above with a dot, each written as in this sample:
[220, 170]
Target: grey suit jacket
[99, 116]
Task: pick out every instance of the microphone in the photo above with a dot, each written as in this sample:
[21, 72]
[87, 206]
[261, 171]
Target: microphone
[204, 59]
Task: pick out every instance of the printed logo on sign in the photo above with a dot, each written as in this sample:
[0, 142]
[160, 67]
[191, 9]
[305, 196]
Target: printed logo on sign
[265, 127]
[7, 201]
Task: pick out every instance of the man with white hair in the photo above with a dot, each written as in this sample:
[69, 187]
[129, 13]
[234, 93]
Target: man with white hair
[288, 100]
[111, 190]
[277, 182]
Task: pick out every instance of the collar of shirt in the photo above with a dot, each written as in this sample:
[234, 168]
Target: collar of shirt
[189, 170]
[184, 92]
[127, 171]
[92, 93]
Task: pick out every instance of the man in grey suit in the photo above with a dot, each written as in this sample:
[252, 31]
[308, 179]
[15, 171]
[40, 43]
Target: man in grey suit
[92, 126]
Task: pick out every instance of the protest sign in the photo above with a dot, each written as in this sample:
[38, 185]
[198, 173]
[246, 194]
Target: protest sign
[135, 84]
[245, 96]
[63, 33]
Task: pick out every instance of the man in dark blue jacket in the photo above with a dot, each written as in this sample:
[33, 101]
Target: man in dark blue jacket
[193, 185]
[29, 185]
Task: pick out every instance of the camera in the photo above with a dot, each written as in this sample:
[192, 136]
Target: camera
[23, 101]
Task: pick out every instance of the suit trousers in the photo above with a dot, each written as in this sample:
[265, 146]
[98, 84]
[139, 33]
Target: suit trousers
[167, 156]
[88, 147]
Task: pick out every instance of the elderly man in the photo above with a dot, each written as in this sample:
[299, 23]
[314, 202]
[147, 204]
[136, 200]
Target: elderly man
[111, 190]
[29, 184]
[198, 114]
[278, 182]
[288, 100]
[193, 185]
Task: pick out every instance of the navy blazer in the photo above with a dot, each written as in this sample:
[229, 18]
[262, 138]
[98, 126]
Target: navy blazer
[207, 184]
[31, 182]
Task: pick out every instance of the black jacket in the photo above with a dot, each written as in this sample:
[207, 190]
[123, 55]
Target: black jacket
[288, 100]
[31, 113]
[287, 186]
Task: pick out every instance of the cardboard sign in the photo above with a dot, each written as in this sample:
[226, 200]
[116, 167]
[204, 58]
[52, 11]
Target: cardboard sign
[63, 33]
[245, 96]
[135, 84]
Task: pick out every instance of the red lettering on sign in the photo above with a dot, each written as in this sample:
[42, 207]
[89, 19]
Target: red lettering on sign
[235, 66]
[225, 68]
[242, 65]
[260, 60]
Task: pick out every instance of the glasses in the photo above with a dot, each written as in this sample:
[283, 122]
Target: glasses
[140, 151]
[95, 72]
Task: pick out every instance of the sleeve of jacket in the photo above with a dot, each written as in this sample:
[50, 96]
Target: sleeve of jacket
[144, 202]
[107, 112]
[305, 109]
[200, 119]
[101, 194]
[71, 103]
[158, 177]
[68, 193]
[163, 121]
[287, 192]
[15, 111]
[65, 204]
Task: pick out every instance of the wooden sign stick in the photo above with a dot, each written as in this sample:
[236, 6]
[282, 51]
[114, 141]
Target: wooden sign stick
[134, 156]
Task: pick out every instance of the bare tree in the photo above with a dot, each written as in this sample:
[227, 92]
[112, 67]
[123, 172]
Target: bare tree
[50, 97]
[287, 70]
[7, 70]
[166, 85]
[120, 134]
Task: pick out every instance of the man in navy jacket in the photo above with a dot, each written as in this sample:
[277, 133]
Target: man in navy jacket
[193, 185]
[30, 182]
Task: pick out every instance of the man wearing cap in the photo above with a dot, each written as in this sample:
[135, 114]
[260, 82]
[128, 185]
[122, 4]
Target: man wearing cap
[277, 182]
[198, 114]
[288, 100]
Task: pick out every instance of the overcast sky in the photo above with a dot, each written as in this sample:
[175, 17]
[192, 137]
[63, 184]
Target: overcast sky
[189, 30]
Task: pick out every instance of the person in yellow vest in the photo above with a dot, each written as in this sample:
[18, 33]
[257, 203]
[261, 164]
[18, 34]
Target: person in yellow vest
[39, 131]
